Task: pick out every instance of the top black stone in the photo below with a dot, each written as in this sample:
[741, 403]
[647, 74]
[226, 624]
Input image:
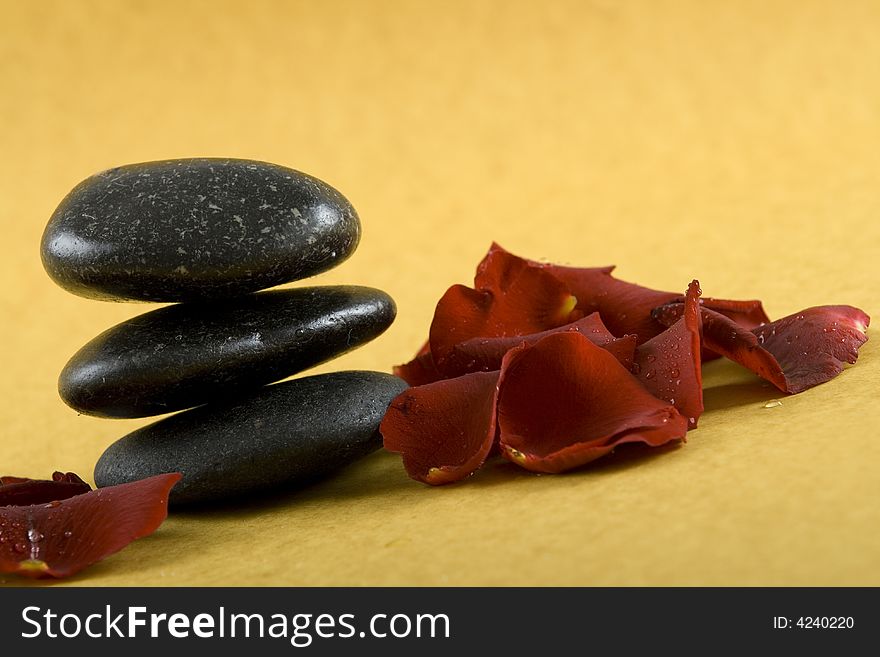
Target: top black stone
[184, 230]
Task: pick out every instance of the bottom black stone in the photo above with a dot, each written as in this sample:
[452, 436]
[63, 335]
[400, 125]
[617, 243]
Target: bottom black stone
[281, 436]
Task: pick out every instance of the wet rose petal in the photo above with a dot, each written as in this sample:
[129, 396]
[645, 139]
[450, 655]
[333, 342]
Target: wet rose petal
[497, 265]
[793, 353]
[527, 304]
[60, 538]
[486, 354]
[811, 346]
[625, 308]
[564, 402]
[669, 364]
[20, 491]
[443, 430]
[748, 314]
[724, 336]
[419, 371]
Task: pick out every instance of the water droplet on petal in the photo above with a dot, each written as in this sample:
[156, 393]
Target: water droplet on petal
[773, 403]
[650, 375]
[674, 373]
[651, 358]
[636, 368]
[34, 536]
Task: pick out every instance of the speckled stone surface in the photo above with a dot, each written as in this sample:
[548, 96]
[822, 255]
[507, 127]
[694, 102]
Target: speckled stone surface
[283, 436]
[189, 354]
[183, 230]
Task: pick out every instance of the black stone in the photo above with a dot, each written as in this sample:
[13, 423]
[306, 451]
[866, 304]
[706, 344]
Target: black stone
[183, 230]
[283, 436]
[190, 354]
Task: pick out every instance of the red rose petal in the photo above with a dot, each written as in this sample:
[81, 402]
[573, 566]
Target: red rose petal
[420, 371]
[724, 336]
[811, 346]
[513, 299]
[63, 537]
[565, 402]
[19, 491]
[60, 477]
[443, 430]
[748, 314]
[486, 354]
[626, 308]
[793, 353]
[623, 349]
[669, 364]
[495, 268]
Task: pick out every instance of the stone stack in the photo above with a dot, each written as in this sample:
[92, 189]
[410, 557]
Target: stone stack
[207, 235]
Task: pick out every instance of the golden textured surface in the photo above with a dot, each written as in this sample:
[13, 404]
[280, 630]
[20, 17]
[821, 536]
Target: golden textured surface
[733, 142]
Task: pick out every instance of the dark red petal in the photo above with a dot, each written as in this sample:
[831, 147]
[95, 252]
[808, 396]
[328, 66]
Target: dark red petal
[523, 301]
[669, 365]
[793, 353]
[564, 402]
[485, 354]
[63, 537]
[65, 477]
[625, 307]
[496, 267]
[724, 336]
[748, 314]
[419, 371]
[20, 491]
[623, 349]
[811, 346]
[443, 430]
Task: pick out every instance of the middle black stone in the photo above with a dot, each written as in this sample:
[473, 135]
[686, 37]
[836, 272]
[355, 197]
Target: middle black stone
[189, 354]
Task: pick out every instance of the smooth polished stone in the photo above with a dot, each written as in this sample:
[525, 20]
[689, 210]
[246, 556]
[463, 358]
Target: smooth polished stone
[184, 230]
[281, 437]
[190, 354]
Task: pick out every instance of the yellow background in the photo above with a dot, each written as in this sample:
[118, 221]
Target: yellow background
[736, 142]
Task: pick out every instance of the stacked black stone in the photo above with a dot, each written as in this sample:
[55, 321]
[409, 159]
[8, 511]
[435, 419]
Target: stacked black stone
[208, 234]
